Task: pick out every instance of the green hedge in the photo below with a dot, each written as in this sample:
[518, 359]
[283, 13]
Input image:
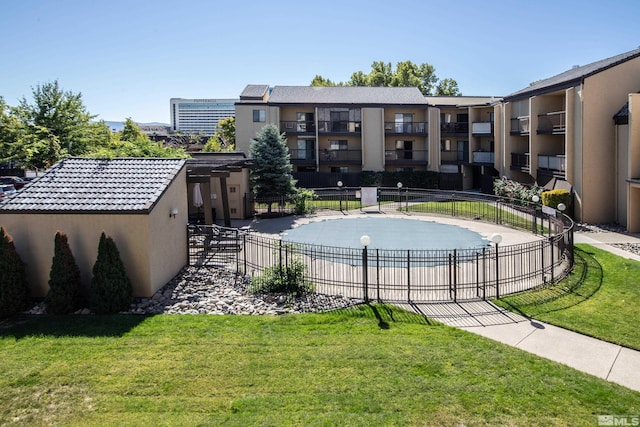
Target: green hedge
[553, 198]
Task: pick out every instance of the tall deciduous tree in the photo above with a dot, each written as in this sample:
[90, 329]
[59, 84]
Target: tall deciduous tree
[271, 177]
[63, 114]
[224, 139]
[131, 131]
[406, 74]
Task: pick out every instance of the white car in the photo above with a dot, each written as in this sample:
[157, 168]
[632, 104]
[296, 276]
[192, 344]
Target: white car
[7, 190]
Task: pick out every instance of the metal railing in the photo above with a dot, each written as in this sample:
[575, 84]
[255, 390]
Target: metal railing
[552, 123]
[415, 128]
[409, 275]
[294, 126]
[483, 156]
[520, 125]
[400, 156]
[338, 156]
[454, 128]
[338, 127]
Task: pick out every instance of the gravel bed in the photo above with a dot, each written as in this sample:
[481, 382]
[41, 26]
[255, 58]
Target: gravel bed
[198, 290]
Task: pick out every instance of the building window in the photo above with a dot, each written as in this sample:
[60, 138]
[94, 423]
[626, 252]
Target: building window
[340, 169]
[259, 116]
[340, 144]
[233, 211]
[232, 189]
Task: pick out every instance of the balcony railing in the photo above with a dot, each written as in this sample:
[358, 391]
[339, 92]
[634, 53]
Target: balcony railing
[520, 125]
[339, 127]
[405, 156]
[297, 155]
[555, 163]
[454, 128]
[413, 128]
[483, 156]
[297, 127]
[451, 156]
[482, 128]
[552, 123]
[340, 156]
[520, 161]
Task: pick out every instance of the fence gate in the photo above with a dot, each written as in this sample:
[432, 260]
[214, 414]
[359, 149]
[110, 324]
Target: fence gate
[213, 246]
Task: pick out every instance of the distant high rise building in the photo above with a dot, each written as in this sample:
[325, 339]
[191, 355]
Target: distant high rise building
[199, 115]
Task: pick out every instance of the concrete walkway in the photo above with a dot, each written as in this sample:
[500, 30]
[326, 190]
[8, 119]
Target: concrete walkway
[611, 362]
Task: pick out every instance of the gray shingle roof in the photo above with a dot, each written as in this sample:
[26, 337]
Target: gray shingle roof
[575, 75]
[254, 92]
[97, 186]
[346, 95]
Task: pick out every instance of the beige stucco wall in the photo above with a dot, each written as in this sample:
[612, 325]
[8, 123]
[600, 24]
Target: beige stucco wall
[622, 173]
[373, 139]
[247, 129]
[152, 247]
[603, 94]
[633, 164]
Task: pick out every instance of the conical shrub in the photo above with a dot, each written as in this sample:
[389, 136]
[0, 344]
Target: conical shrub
[13, 282]
[64, 279]
[111, 289]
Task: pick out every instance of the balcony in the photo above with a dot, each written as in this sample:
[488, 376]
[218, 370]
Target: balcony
[553, 163]
[405, 157]
[454, 128]
[413, 128]
[301, 156]
[453, 156]
[552, 123]
[482, 128]
[520, 125]
[483, 157]
[341, 156]
[520, 162]
[339, 127]
[296, 127]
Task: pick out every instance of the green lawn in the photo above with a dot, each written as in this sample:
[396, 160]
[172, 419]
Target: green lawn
[359, 367]
[599, 298]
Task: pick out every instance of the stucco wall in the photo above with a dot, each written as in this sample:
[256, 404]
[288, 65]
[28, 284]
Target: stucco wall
[603, 94]
[373, 139]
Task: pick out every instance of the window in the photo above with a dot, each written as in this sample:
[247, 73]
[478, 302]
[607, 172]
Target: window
[340, 169]
[233, 211]
[232, 189]
[259, 116]
[403, 122]
[340, 144]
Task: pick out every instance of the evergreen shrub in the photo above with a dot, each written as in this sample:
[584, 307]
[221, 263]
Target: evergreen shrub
[64, 279]
[14, 291]
[111, 289]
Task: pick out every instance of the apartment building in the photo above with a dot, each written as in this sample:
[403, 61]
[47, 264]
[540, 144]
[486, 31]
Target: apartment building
[563, 127]
[354, 129]
[199, 116]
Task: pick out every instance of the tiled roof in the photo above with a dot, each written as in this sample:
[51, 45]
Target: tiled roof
[97, 186]
[346, 95]
[575, 75]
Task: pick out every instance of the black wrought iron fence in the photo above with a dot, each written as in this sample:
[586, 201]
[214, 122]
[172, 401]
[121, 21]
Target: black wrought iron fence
[408, 275]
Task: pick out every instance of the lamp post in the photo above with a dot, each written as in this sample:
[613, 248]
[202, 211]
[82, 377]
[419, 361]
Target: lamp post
[365, 241]
[535, 200]
[399, 185]
[497, 238]
[340, 193]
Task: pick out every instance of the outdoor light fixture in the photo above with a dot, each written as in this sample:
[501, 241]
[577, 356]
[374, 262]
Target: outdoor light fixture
[399, 185]
[340, 184]
[562, 207]
[365, 240]
[535, 198]
[496, 238]
[173, 213]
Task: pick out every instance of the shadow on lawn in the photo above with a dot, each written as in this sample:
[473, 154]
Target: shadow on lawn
[581, 284]
[69, 326]
[386, 315]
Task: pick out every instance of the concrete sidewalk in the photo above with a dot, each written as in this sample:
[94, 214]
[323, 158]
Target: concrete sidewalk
[611, 362]
[596, 357]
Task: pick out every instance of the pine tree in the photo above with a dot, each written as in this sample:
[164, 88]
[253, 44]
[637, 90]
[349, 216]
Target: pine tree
[64, 279]
[13, 282]
[111, 289]
[271, 177]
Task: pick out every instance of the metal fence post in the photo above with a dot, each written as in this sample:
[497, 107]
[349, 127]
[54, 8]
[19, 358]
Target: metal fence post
[497, 274]
[365, 274]
[408, 275]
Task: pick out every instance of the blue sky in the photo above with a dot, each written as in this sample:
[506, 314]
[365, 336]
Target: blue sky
[127, 58]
